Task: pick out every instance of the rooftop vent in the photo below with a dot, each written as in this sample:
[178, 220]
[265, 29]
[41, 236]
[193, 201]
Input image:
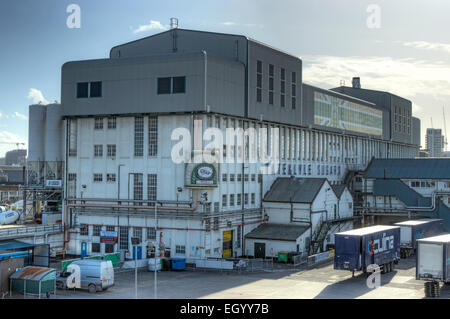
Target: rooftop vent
[356, 83]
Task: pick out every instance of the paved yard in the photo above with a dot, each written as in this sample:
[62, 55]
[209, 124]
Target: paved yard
[321, 282]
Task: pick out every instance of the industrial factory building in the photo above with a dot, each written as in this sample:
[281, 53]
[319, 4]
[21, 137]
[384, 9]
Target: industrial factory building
[392, 189]
[303, 214]
[111, 143]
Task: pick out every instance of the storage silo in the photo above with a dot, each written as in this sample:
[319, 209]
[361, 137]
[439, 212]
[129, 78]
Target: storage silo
[53, 133]
[36, 133]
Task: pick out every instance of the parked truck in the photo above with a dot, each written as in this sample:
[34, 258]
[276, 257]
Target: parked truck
[433, 263]
[378, 245]
[412, 230]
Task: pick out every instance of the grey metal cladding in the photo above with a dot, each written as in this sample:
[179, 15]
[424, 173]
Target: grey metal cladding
[228, 46]
[276, 113]
[129, 85]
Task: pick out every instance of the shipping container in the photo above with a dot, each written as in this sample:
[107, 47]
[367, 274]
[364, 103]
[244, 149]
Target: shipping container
[412, 230]
[356, 249]
[433, 262]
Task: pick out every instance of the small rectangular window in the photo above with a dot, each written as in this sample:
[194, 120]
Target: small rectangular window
[111, 178]
[98, 150]
[111, 123]
[82, 89]
[224, 200]
[109, 248]
[111, 150]
[95, 248]
[96, 89]
[98, 178]
[179, 84]
[96, 230]
[164, 85]
[84, 229]
[179, 249]
[98, 123]
[151, 234]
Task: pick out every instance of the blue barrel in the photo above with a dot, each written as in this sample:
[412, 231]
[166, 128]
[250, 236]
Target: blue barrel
[178, 263]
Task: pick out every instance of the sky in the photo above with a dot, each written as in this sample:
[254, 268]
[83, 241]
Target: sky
[400, 46]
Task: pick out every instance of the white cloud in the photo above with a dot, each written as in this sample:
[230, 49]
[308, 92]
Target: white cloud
[20, 116]
[153, 25]
[250, 25]
[37, 96]
[428, 45]
[405, 77]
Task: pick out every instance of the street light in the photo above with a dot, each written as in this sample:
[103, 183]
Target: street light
[156, 216]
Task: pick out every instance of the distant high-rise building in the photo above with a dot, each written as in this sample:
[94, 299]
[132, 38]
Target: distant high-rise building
[16, 157]
[434, 142]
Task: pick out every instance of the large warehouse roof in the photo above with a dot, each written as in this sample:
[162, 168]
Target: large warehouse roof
[417, 168]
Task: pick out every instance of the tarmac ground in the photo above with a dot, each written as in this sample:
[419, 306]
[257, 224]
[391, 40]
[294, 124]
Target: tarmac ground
[320, 282]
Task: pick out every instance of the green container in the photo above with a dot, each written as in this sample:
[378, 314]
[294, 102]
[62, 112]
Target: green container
[283, 256]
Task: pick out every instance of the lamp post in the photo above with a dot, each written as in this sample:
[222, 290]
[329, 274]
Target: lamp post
[156, 219]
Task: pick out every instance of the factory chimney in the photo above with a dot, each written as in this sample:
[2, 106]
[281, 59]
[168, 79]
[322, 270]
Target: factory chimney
[356, 83]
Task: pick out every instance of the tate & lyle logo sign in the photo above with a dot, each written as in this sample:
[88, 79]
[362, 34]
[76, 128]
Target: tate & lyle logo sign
[202, 175]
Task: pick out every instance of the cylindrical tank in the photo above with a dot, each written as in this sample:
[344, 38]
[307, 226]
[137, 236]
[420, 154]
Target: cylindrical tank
[36, 133]
[53, 133]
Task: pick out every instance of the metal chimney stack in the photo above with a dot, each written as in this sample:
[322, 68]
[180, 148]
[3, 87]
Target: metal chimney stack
[356, 83]
[173, 23]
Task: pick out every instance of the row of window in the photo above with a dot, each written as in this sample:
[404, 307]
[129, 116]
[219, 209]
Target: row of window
[110, 150]
[427, 184]
[238, 177]
[166, 85]
[98, 123]
[271, 79]
[231, 198]
[402, 120]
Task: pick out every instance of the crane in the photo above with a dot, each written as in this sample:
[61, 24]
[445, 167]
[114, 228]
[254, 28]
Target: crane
[17, 143]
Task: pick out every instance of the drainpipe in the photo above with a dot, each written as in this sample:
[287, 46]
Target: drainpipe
[205, 55]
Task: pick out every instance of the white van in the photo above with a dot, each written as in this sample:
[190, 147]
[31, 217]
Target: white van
[95, 275]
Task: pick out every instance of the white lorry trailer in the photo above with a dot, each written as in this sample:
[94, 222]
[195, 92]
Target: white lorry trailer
[433, 263]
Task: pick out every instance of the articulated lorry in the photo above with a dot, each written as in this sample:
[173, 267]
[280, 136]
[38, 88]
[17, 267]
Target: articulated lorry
[412, 230]
[433, 263]
[356, 249]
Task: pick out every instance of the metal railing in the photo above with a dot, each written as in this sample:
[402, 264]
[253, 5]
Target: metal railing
[31, 230]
